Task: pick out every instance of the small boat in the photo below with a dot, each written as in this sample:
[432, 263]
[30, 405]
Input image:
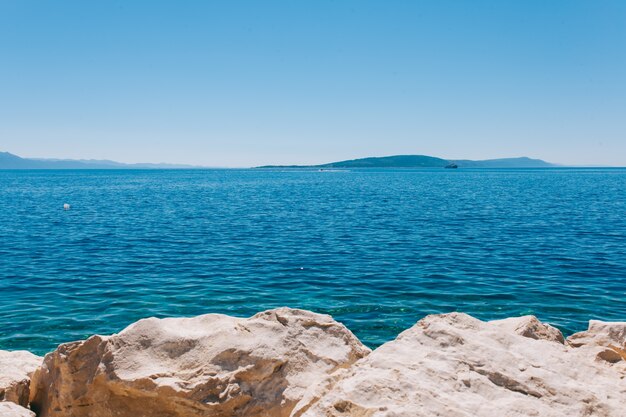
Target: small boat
[452, 166]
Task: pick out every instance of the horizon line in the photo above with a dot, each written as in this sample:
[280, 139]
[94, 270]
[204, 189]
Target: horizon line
[176, 165]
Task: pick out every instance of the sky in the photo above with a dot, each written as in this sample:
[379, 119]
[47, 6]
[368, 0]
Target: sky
[245, 83]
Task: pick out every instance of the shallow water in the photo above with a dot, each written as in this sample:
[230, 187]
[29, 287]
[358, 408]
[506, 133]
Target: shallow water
[376, 249]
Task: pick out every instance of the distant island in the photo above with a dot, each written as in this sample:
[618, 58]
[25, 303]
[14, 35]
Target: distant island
[423, 161]
[10, 161]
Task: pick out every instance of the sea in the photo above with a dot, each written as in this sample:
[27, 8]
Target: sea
[376, 249]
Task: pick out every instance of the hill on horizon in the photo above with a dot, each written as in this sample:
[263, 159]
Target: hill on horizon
[10, 161]
[424, 161]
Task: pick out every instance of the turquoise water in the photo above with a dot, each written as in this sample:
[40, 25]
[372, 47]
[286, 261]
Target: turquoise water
[376, 249]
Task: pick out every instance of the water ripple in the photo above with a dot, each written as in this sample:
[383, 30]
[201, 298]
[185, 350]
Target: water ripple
[376, 249]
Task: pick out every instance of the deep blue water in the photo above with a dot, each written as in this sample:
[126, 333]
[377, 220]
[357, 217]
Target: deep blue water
[376, 249]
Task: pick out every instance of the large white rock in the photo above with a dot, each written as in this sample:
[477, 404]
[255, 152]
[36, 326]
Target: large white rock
[211, 365]
[16, 368]
[453, 365]
[9, 409]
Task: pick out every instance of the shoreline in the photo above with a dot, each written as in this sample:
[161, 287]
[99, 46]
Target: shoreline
[289, 362]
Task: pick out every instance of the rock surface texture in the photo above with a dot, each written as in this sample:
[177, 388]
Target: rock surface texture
[16, 368]
[529, 326]
[294, 363]
[211, 365]
[454, 365]
[9, 409]
[606, 341]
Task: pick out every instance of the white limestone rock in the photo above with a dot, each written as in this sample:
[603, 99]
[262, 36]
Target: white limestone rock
[9, 409]
[16, 368]
[606, 340]
[530, 326]
[453, 365]
[211, 365]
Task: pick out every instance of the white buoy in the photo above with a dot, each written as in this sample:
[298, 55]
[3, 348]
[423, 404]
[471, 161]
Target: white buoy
[66, 206]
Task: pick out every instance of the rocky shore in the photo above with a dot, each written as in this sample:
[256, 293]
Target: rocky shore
[295, 363]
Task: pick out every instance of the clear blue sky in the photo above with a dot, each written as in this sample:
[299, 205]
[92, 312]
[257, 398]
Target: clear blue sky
[240, 83]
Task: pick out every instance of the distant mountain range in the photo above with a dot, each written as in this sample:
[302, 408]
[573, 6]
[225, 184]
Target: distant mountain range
[423, 161]
[10, 161]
